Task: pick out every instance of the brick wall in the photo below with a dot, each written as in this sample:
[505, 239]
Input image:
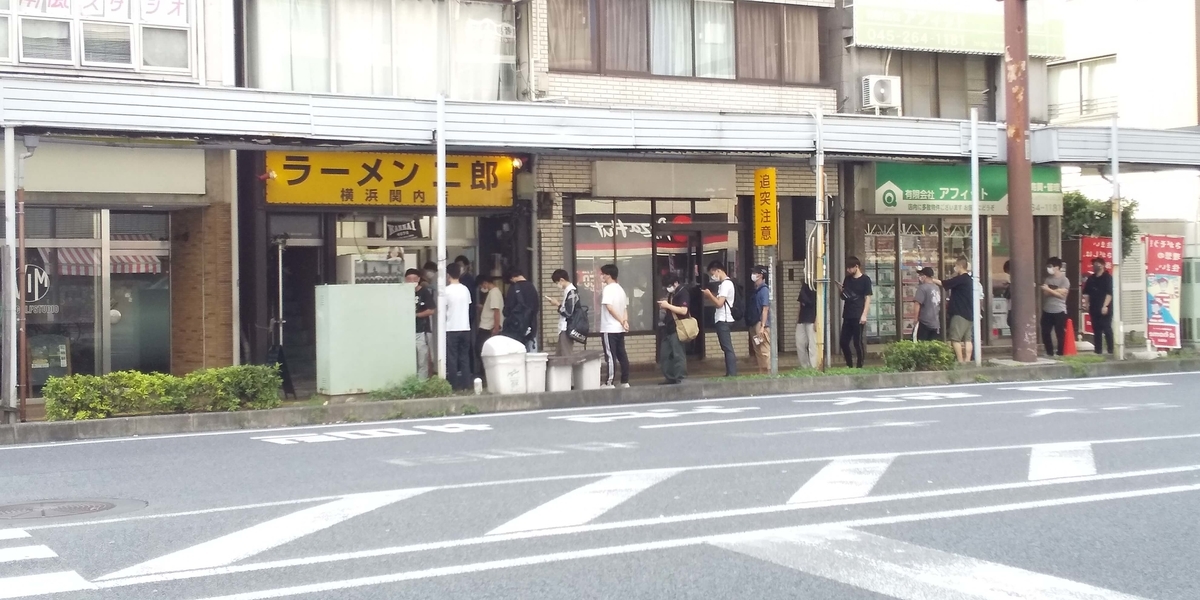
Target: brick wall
[202, 274]
[668, 92]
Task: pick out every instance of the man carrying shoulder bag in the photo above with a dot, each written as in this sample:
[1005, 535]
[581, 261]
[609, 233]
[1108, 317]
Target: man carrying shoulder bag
[675, 326]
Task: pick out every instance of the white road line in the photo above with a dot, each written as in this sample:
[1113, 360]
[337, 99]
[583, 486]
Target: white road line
[843, 479]
[254, 540]
[25, 553]
[483, 484]
[582, 505]
[906, 571]
[14, 447]
[695, 541]
[838, 413]
[13, 534]
[1054, 461]
[46, 583]
[491, 539]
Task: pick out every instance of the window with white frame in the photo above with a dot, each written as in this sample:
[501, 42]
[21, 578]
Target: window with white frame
[1083, 89]
[132, 35]
[381, 47]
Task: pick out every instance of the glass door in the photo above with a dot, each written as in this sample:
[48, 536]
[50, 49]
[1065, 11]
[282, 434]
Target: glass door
[681, 253]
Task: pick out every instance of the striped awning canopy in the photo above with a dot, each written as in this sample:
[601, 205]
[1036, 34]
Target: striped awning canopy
[82, 262]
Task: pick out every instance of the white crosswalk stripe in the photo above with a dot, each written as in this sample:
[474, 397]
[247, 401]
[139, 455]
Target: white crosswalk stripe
[25, 553]
[1056, 461]
[13, 534]
[17, 553]
[582, 505]
[45, 583]
[843, 479]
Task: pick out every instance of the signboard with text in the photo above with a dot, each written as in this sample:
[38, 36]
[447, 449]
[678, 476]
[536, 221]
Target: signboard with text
[1164, 286]
[383, 179]
[925, 189]
[766, 208]
[963, 26]
[1091, 248]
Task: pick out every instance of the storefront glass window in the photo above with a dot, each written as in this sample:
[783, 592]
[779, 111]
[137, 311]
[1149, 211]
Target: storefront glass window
[879, 263]
[999, 256]
[140, 307]
[619, 233]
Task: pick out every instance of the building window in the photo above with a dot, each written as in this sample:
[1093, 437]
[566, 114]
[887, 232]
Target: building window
[720, 39]
[1083, 89]
[153, 36]
[382, 47]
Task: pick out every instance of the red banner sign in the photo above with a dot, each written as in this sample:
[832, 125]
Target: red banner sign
[1164, 285]
[1091, 248]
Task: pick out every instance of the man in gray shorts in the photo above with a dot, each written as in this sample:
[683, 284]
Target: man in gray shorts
[929, 299]
[961, 309]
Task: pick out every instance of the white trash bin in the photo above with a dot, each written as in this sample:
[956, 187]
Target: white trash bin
[587, 372]
[535, 372]
[559, 373]
[504, 363]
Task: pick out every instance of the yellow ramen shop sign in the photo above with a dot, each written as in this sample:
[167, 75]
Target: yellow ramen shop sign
[383, 179]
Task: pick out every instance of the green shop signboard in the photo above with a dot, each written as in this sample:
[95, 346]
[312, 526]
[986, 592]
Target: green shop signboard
[966, 26]
[923, 189]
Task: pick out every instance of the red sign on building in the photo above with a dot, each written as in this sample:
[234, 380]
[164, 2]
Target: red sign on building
[1164, 285]
[1091, 247]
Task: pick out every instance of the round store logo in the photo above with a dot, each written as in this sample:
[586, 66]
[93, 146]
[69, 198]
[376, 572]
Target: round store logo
[37, 283]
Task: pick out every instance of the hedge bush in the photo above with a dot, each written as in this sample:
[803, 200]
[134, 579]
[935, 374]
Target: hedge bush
[415, 387]
[80, 397]
[919, 356]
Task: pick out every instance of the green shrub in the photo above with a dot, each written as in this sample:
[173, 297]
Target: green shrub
[414, 387]
[79, 397]
[919, 356]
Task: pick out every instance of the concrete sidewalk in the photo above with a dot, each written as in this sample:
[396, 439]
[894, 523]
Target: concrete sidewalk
[696, 389]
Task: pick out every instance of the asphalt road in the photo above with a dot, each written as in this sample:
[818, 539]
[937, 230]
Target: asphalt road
[1073, 490]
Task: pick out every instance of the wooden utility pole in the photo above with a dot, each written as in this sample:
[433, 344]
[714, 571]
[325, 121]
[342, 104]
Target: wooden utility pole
[1023, 272]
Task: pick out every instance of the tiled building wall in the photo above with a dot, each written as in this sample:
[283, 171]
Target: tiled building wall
[668, 92]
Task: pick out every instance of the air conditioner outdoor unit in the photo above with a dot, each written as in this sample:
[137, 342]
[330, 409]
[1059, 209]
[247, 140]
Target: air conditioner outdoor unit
[881, 91]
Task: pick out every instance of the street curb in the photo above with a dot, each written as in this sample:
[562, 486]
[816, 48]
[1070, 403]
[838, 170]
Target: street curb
[363, 411]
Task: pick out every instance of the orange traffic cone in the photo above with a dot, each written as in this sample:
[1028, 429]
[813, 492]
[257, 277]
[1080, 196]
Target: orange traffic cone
[1069, 342]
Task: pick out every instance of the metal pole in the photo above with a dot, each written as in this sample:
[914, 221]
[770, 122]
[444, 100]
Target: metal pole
[12, 281]
[440, 134]
[279, 283]
[1020, 185]
[772, 320]
[23, 384]
[977, 322]
[1118, 324]
[822, 257]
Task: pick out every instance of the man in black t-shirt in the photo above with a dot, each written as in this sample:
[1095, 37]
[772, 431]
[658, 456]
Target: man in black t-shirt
[961, 308]
[424, 330]
[1098, 297]
[856, 295]
[806, 327]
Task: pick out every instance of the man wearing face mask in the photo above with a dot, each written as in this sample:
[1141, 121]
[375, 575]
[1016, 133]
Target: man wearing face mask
[758, 319]
[724, 301]
[1055, 289]
[671, 357]
[856, 295]
[1097, 299]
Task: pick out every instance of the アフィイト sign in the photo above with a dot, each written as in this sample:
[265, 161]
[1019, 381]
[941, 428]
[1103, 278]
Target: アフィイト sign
[925, 189]
[382, 179]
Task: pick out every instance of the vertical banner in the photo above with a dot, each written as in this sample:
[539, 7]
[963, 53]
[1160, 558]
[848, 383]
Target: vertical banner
[766, 208]
[1164, 270]
[1091, 247]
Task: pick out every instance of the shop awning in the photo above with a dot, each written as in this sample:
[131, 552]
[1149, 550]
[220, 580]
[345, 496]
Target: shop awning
[82, 262]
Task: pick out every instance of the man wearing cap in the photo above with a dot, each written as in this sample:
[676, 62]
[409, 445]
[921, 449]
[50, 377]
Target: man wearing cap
[929, 299]
[757, 318]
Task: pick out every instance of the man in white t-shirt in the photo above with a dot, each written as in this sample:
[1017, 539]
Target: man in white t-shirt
[458, 330]
[614, 323]
[723, 317]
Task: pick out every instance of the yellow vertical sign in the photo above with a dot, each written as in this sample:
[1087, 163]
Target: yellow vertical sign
[766, 208]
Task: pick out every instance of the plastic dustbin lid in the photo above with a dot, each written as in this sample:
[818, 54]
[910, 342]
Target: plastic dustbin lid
[501, 345]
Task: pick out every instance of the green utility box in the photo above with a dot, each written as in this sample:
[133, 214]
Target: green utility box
[365, 337]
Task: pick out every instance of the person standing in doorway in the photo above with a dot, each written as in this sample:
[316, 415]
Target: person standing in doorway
[491, 316]
[566, 308]
[458, 330]
[672, 360]
[424, 330]
[1098, 297]
[806, 327]
[1055, 290]
[856, 302]
[614, 324]
[961, 289]
[468, 280]
[723, 319]
[929, 307]
[521, 308]
[758, 320]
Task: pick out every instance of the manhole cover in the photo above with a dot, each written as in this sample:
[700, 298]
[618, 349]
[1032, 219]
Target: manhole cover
[53, 509]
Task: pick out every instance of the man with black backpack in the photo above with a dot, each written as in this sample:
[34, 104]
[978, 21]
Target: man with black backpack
[570, 311]
[728, 311]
